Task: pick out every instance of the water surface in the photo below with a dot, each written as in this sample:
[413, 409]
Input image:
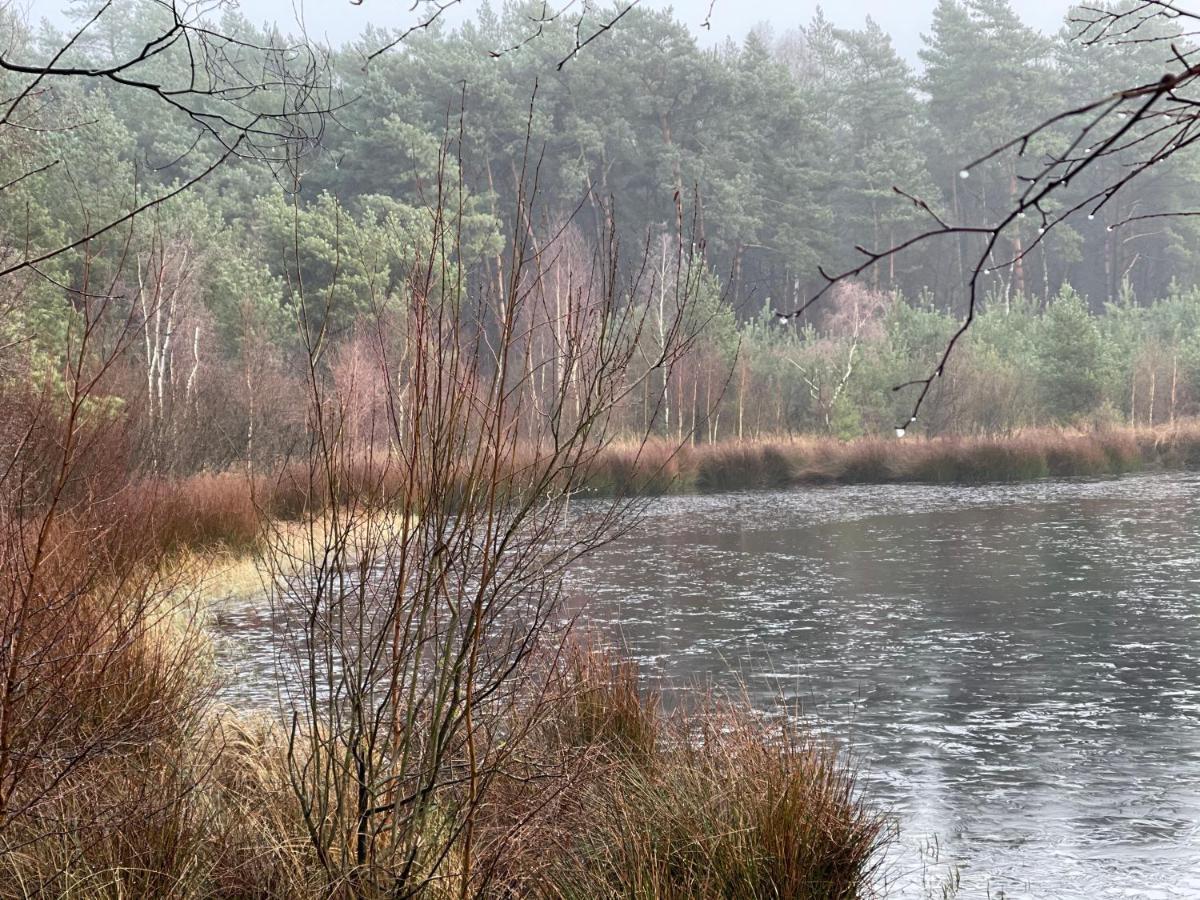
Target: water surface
[1017, 667]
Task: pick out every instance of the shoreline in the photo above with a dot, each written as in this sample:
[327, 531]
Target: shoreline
[660, 468]
[222, 515]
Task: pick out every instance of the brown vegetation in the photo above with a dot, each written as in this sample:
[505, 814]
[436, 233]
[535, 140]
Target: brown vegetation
[226, 510]
[790, 461]
[629, 801]
[707, 802]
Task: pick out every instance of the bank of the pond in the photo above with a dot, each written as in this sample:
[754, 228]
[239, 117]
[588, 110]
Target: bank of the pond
[226, 511]
[596, 789]
[608, 796]
[663, 467]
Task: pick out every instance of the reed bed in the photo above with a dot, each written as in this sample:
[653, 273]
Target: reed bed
[706, 801]
[120, 776]
[713, 802]
[1026, 455]
[225, 511]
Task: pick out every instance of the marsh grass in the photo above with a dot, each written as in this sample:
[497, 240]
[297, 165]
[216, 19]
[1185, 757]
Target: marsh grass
[1026, 455]
[221, 515]
[130, 781]
[708, 800]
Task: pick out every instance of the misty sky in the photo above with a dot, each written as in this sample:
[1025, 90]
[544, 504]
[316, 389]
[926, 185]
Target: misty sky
[903, 19]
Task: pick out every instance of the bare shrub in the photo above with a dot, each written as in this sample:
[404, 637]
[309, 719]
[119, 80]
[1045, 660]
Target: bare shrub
[418, 633]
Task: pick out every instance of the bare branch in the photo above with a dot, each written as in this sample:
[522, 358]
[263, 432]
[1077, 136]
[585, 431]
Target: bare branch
[1140, 127]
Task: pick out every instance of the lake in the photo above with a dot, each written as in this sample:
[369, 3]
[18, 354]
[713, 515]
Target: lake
[1016, 667]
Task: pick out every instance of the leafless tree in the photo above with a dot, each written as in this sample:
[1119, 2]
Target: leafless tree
[855, 315]
[85, 601]
[100, 640]
[421, 612]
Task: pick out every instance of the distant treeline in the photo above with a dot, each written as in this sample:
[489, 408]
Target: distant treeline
[780, 152]
[1022, 364]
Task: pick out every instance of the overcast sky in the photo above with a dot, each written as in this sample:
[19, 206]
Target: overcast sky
[339, 20]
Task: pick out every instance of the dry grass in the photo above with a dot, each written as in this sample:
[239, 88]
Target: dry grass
[710, 802]
[220, 520]
[639, 468]
[222, 514]
[208, 814]
[107, 694]
[780, 462]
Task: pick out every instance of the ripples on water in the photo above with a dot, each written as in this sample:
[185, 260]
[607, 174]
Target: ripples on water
[1017, 667]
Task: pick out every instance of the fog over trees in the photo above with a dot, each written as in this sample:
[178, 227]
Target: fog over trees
[785, 149]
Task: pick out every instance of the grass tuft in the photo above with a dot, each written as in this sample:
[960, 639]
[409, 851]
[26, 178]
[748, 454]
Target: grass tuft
[1027, 455]
[706, 802]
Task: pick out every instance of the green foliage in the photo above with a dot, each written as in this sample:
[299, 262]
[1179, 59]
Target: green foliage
[786, 146]
[1020, 365]
[1070, 355]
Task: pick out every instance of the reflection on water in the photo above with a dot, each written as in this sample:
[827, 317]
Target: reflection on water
[1018, 667]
